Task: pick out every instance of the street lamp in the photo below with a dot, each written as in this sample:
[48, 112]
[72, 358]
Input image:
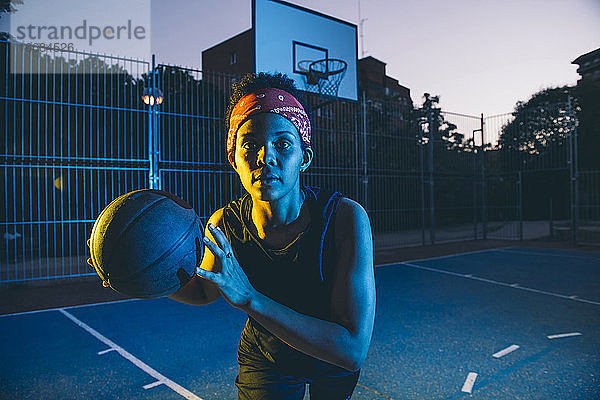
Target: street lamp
[152, 96]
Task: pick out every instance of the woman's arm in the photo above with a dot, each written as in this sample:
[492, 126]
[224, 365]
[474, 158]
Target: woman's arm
[198, 290]
[344, 342]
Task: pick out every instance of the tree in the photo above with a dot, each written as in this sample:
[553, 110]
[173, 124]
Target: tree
[536, 137]
[444, 131]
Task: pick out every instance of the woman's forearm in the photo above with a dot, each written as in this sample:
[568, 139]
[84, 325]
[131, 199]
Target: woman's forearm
[197, 291]
[327, 341]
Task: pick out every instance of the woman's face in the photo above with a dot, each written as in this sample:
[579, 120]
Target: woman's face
[269, 156]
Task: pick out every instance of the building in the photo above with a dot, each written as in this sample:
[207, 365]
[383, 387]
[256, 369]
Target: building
[374, 83]
[235, 56]
[589, 65]
[588, 97]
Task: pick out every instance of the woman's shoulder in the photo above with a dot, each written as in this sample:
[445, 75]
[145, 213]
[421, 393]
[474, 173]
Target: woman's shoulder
[351, 220]
[231, 209]
[352, 210]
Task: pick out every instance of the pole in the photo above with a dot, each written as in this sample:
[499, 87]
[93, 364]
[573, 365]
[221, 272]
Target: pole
[155, 182]
[572, 180]
[551, 227]
[365, 177]
[431, 183]
[474, 150]
[483, 187]
[575, 168]
[422, 176]
[520, 194]
[151, 179]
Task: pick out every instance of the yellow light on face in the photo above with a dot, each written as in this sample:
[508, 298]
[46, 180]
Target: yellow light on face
[58, 183]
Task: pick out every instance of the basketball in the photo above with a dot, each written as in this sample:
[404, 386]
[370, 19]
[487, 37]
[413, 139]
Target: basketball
[146, 243]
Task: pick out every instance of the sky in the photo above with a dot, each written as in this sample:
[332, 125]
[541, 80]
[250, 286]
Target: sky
[479, 56]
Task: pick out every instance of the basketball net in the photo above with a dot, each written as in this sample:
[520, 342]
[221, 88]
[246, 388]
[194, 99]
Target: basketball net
[323, 77]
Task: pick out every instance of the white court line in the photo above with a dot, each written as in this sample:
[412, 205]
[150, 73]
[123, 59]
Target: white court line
[510, 285]
[151, 385]
[562, 335]
[506, 351]
[447, 256]
[105, 351]
[468, 386]
[511, 250]
[138, 363]
[68, 307]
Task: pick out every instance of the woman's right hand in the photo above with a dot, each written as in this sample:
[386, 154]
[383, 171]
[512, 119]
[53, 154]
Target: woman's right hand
[199, 290]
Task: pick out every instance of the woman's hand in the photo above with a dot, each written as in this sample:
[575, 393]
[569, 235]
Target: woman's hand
[231, 280]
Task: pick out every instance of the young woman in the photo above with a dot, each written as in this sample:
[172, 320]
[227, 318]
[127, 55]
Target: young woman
[298, 260]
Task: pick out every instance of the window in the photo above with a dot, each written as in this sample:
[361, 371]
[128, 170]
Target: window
[233, 58]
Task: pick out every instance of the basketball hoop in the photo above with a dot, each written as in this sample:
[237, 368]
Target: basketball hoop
[330, 72]
[323, 76]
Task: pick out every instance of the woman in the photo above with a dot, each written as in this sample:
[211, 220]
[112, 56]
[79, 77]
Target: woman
[298, 260]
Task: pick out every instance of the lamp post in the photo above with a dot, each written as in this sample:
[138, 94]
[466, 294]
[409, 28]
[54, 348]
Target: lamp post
[153, 97]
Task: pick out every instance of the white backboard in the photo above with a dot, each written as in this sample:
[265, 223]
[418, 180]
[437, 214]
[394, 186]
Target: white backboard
[285, 34]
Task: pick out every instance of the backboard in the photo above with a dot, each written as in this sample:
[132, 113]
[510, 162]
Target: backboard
[288, 38]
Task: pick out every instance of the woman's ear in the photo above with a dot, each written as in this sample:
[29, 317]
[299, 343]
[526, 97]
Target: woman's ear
[231, 158]
[307, 156]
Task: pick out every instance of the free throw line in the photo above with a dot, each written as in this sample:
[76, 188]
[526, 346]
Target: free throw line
[562, 335]
[510, 285]
[469, 382]
[138, 363]
[504, 352]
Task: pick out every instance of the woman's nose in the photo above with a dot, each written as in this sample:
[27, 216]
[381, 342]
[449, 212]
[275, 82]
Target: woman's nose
[266, 155]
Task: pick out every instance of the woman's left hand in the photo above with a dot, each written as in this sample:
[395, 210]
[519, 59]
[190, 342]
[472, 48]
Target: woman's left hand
[231, 280]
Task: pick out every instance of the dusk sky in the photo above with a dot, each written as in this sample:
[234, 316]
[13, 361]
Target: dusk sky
[478, 55]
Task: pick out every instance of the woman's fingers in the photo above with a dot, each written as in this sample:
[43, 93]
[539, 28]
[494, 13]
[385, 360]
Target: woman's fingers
[213, 247]
[211, 276]
[220, 237]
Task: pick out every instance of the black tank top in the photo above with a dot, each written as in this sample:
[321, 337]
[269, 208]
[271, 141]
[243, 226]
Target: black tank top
[298, 275]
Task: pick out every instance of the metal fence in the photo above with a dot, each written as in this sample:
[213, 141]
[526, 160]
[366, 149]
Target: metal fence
[77, 134]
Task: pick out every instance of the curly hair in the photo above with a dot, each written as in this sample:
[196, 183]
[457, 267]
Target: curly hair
[252, 82]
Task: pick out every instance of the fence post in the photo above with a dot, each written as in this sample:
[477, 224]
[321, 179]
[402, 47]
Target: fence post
[575, 168]
[422, 176]
[365, 177]
[520, 194]
[475, 184]
[483, 187]
[431, 183]
[551, 225]
[574, 197]
[153, 143]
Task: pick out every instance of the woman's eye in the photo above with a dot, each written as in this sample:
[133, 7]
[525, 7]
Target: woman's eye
[249, 145]
[283, 144]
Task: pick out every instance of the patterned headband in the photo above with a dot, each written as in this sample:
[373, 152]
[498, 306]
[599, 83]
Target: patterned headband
[272, 100]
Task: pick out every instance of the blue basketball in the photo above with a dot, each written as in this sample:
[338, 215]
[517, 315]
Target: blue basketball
[146, 243]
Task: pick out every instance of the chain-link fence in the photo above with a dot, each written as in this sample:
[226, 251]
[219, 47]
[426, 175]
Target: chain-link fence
[77, 134]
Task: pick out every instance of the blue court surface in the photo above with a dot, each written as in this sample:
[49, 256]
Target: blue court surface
[511, 323]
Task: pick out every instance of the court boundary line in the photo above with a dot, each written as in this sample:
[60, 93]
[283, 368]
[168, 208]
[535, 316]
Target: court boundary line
[446, 256]
[516, 250]
[67, 307]
[131, 358]
[510, 285]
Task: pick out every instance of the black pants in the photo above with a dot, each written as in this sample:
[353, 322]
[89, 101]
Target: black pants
[269, 369]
